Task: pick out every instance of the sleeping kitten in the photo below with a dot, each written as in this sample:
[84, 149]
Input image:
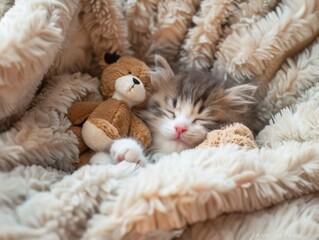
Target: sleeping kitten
[183, 109]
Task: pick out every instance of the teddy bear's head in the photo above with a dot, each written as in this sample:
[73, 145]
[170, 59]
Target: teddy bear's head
[125, 78]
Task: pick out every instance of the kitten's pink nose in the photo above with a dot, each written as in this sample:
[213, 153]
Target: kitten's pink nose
[180, 129]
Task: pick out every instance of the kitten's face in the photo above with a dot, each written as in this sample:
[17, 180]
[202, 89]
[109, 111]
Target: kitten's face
[186, 106]
[178, 124]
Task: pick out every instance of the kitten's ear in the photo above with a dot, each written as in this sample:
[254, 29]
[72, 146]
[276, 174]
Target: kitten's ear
[160, 62]
[161, 72]
[240, 96]
[232, 103]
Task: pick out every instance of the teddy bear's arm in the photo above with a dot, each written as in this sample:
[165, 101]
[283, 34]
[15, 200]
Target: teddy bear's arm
[140, 131]
[80, 111]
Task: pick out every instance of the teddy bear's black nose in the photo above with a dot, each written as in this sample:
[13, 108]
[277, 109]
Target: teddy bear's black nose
[135, 81]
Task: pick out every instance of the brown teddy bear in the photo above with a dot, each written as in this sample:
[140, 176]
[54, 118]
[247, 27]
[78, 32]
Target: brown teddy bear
[125, 83]
[236, 133]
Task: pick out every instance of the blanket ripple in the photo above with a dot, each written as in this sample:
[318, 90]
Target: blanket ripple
[48, 59]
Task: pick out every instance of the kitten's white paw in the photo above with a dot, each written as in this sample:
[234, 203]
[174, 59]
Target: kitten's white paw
[101, 158]
[127, 149]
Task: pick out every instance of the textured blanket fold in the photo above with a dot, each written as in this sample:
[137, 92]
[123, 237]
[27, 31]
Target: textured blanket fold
[48, 57]
[40, 27]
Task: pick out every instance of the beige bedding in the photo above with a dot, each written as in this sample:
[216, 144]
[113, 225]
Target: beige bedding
[48, 53]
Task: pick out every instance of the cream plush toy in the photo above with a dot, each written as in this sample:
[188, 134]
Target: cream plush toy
[236, 133]
[125, 83]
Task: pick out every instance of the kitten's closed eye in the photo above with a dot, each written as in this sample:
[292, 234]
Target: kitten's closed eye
[170, 114]
[199, 121]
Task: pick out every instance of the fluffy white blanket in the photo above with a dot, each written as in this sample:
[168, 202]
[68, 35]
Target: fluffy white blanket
[47, 54]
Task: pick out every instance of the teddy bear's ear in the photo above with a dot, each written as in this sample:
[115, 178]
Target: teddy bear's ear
[111, 58]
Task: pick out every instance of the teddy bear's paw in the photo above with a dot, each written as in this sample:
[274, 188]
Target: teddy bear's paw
[129, 150]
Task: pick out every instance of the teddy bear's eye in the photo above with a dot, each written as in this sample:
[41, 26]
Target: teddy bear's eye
[129, 72]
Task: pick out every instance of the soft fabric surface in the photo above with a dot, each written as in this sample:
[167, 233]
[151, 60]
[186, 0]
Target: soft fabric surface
[48, 61]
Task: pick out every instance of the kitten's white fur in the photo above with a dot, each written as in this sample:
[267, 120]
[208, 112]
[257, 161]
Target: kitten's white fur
[125, 148]
[129, 149]
[101, 158]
